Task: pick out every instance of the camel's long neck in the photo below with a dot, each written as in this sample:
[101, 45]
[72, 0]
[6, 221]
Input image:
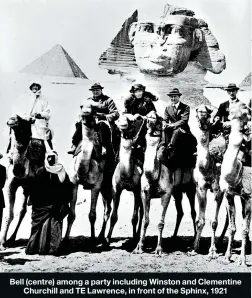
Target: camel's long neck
[229, 164]
[151, 168]
[84, 158]
[125, 159]
[203, 155]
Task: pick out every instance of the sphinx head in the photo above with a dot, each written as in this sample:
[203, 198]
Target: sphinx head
[165, 46]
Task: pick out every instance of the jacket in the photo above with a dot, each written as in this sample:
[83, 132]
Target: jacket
[223, 111]
[180, 119]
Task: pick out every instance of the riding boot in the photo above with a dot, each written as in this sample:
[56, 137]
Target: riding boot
[72, 151]
[77, 137]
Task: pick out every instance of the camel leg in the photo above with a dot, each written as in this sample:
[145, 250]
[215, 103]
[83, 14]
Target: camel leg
[201, 194]
[106, 197]
[146, 219]
[232, 228]
[177, 194]
[72, 215]
[134, 220]
[11, 189]
[246, 214]
[191, 192]
[116, 194]
[21, 216]
[140, 215]
[220, 240]
[92, 212]
[214, 223]
[165, 202]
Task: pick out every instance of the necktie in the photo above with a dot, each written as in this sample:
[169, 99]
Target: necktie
[175, 109]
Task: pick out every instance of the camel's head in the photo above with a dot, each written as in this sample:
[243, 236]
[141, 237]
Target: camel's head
[129, 128]
[21, 128]
[165, 46]
[239, 113]
[86, 109]
[152, 120]
[203, 115]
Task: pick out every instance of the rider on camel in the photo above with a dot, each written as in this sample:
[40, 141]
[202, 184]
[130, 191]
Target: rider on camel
[34, 107]
[139, 103]
[222, 117]
[104, 109]
[177, 129]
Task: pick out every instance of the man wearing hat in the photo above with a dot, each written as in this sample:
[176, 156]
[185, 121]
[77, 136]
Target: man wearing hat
[105, 109]
[34, 106]
[176, 117]
[223, 110]
[2, 182]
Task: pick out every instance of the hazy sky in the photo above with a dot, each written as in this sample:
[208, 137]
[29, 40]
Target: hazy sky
[85, 29]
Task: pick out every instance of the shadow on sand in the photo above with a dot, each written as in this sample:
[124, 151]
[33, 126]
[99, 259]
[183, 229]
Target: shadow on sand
[170, 245]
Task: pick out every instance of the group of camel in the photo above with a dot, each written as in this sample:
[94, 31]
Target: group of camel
[154, 180]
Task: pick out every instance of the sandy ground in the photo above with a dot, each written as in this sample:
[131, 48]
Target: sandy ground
[77, 257]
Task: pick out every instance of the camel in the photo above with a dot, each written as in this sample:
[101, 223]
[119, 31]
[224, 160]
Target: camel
[160, 181]
[235, 179]
[206, 176]
[28, 156]
[88, 169]
[127, 175]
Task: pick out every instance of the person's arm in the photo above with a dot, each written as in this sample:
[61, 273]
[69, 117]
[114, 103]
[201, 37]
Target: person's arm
[127, 105]
[113, 112]
[151, 107]
[46, 112]
[219, 114]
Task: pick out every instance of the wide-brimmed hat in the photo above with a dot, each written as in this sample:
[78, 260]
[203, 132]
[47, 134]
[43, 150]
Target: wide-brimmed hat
[231, 86]
[35, 84]
[137, 87]
[174, 91]
[96, 86]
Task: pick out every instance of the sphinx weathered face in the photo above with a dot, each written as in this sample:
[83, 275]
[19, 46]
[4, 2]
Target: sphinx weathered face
[164, 48]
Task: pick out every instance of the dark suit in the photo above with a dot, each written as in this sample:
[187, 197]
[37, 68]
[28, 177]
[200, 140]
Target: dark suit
[178, 119]
[182, 142]
[223, 111]
[2, 182]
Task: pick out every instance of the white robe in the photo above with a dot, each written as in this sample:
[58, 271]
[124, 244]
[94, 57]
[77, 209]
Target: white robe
[31, 103]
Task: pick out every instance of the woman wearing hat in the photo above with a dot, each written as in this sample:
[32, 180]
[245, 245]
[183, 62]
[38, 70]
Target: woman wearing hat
[2, 182]
[34, 106]
[176, 129]
[140, 102]
[105, 109]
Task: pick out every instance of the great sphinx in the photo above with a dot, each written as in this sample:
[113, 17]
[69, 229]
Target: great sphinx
[176, 49]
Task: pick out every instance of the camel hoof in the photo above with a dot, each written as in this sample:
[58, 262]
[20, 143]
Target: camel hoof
[227, 259]
[192, 253]
[242, 261]
[138, 250]
[212, 255]
[159, 251]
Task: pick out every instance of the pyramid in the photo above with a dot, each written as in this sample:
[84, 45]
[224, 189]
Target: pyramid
[55, 62]
[246, 83]
[120, 54]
